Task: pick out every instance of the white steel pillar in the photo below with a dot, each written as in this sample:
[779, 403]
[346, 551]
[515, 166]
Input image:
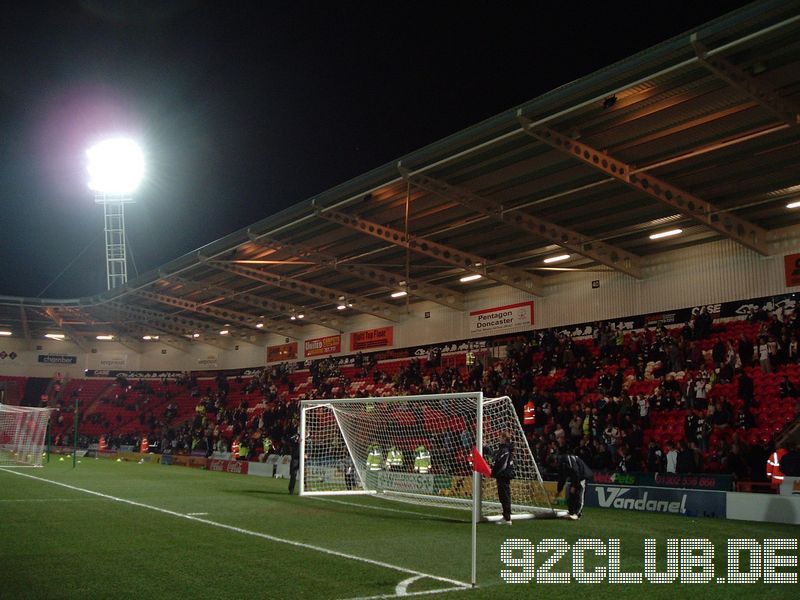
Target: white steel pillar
[114, 227]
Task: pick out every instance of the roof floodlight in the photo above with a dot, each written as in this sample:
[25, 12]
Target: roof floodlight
[468, 278]
[668, 233]
[558, 258]
[116, 166]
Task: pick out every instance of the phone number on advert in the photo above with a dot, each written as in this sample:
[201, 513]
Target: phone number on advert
[678, 561]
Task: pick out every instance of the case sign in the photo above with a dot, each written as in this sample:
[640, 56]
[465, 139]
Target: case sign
[501, 318]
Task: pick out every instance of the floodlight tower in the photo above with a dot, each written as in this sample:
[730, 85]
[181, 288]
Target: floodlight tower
[116, 168]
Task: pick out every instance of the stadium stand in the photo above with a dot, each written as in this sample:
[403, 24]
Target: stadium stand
[620, 400]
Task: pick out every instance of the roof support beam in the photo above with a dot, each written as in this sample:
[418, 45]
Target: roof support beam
[73, 335]
[606, 254]
[121, 336]
[176, 325]
[419, 289]
[324, 294]
[223, 315]
[725, 223]
[473, 263]
[309, 314]
[138, 332]
[759, 90]
[119, 332]
[23, 318]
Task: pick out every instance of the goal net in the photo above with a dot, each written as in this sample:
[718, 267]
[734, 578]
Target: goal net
[22, 435]
[417, 449]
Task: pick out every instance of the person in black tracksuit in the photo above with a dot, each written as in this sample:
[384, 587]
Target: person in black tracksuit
[503, 472]
[294, 465]
[573, 472]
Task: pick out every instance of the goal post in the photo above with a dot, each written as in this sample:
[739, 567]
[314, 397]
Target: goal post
[23, 430]
[418, 449]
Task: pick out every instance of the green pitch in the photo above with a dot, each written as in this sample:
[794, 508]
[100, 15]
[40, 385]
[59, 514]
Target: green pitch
[151, 531]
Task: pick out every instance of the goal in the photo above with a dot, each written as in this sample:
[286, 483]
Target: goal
[22, 435]
[417, 449]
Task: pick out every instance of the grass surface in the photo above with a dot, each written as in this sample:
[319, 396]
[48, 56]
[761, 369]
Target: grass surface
[256, 541]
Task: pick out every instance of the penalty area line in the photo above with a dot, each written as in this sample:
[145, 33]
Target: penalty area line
[265, 536]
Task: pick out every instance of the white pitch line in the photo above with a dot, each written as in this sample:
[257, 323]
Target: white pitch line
[422, 593]
[386, 508]
[46, 499]
[402, 588]
[196, 514]
[258, 534]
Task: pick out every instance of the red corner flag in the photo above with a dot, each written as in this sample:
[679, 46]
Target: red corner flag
[479, 464]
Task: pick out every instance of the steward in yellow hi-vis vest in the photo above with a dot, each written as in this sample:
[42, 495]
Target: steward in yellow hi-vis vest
[374, 458]
[394, 459]
[422, 460]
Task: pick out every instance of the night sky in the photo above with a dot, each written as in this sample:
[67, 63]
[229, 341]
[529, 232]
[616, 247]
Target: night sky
[247, 107]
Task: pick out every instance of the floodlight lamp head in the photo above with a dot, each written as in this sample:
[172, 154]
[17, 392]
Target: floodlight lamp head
[116, 166]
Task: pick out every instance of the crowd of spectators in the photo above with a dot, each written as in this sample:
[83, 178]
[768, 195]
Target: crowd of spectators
[605, 424]
[578, 394]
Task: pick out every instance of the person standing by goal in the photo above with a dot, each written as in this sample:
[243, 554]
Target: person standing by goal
[503, 472]
[294, 465]
[573, 472]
